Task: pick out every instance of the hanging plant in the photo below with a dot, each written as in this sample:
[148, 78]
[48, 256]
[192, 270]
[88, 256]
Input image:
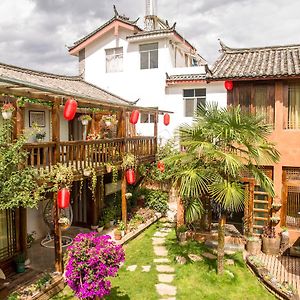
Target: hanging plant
[114, 174]
[93, 183]
[7, 110]
[129, 161]
[85, 119]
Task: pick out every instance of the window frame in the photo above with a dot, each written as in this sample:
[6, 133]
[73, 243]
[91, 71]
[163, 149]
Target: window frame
[114, 56]
[196, 99]
[150, 118]
[148, 53]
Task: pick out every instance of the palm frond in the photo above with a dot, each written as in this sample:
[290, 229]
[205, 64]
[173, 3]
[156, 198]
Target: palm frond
[193, 210]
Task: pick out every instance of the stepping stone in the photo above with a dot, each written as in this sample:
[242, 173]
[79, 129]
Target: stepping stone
[161, 260]
[165, 230]
[194, 257]
[131, 268]
[158, 241]
[165, 269]
[180, 260]
[165, 289]
[146, 268]
[173, 298]
[160, 250]
[208, 255]
[169, 225]
[229, 262]
[165, 278]
[160, 234]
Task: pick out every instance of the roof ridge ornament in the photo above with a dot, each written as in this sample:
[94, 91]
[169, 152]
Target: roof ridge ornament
[117, 15]
[224, 48]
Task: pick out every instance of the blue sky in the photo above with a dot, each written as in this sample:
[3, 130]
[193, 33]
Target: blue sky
[35, 33]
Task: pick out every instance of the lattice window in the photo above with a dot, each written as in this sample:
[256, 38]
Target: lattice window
[292, 173]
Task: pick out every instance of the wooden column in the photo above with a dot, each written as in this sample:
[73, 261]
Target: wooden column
[57, 231]
[19, 126]
[155, 131]
[124, 200]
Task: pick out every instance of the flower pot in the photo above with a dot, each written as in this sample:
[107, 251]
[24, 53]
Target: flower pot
[87, 173]
[108, 123]
[271, 246]
[254, 247]
[7, 115]
[84, 122]
[107, 225]
[118, 236]
[39, 140]
[122, 233]
[276, 207]
[100, 229]
[20, 267]
[111, 223]
[108, 169]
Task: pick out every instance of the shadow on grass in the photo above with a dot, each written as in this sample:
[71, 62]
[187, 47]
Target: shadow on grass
[117, 294]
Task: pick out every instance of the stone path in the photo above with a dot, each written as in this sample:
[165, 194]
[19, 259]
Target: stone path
[166, 273]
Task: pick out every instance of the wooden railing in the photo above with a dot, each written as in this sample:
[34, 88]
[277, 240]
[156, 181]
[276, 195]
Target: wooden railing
[83, 154]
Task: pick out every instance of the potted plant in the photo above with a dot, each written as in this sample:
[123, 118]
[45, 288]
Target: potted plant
[275, 220]
[253, 245]
[7, 110]
[64, 222]
[100, 225]
[128, 161]
[109, 120]
[181, 233]
[271, 242]
[85, 119]
[39, 136]
[122, 227]
[117, 234]
[276, 206]
[108, 216]
[20, 263]
[30, 238]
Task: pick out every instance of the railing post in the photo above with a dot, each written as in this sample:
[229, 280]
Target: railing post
[155, 132]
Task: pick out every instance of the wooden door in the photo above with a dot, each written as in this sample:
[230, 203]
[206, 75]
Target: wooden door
[290, 212]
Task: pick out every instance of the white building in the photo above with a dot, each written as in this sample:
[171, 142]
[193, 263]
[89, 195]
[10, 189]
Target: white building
[154, 65]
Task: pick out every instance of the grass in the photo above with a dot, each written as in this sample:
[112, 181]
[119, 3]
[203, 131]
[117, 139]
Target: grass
[193, 280]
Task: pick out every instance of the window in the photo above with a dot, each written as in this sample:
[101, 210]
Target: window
[149, 56]
[294, 106]
[192, 99]
[114, 60]
[147, 118]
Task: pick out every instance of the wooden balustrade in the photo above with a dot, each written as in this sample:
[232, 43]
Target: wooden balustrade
[84, 154]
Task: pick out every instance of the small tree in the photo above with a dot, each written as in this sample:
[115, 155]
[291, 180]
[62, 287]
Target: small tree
[91, 259]
[219, 147]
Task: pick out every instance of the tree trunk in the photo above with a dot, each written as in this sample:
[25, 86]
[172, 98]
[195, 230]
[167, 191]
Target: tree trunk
[221, 244]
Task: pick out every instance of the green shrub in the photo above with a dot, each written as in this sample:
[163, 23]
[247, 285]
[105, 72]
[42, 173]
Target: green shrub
[157, 200]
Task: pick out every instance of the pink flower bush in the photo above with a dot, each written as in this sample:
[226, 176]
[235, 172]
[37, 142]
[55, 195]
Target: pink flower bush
[91, 260]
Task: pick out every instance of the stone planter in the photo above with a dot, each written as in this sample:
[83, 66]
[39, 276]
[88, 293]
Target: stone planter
[254, 247]
[271, 246]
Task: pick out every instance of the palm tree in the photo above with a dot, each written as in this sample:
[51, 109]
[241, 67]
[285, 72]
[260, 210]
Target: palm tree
[219, 147]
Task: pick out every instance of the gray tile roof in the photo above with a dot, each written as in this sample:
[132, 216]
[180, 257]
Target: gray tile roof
[186, 77]
[261, 62]
[57, 84]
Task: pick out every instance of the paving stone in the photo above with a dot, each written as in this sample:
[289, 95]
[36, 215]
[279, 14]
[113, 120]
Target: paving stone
[166, 278]
[158, 241]
[161, 260]
[169, 225]
[165, 269]
[208, 255]
[131, 268]
[146, 268]
[194, 257]
[165, 230]
[180, 260]
[165, 289]
[172, 298]
[160, 250]
[160, 234]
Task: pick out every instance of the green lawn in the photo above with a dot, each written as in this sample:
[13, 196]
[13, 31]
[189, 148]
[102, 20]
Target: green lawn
[194, 280]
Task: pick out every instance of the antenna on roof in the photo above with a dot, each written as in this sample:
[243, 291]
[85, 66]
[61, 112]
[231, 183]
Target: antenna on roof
[151, 15]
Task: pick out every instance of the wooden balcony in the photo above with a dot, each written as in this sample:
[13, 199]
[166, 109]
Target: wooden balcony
[89, 154]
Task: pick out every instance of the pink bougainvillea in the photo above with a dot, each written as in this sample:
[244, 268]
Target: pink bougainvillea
[91, 259]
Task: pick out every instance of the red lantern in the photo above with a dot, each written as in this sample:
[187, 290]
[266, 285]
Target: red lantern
[63, 198]
[70, 109]
[130, 176]
[134, 117]
[166, 119]
[161, 166]
[228, 85]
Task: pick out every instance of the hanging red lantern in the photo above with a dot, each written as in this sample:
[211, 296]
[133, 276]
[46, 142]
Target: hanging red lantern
[63, 198]
[166, 119]
[70, 109]
[228, 85]
[134, 117]
[161, 166]
[130, 176]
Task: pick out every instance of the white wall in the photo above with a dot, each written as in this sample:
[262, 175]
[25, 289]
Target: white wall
[35, 221]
